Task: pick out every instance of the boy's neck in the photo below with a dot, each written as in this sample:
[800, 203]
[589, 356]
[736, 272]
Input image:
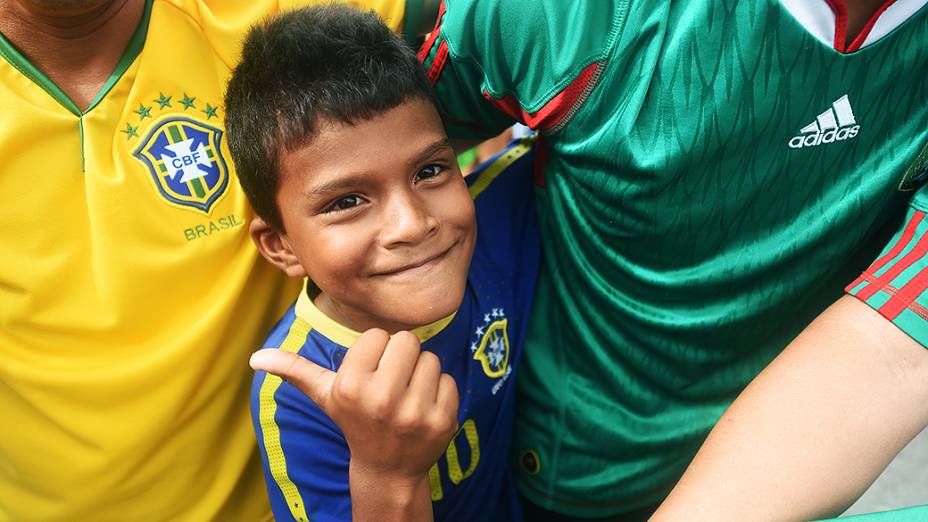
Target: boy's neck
[336, 312]
[858, 13]
[333, 323]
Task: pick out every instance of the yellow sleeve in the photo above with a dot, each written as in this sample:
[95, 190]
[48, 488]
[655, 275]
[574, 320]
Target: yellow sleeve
[225, 22]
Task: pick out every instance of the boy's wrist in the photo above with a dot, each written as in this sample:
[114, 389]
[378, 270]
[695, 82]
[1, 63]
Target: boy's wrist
[378, 494]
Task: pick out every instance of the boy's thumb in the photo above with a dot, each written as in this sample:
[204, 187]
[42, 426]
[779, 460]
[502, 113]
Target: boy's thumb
[311, 379]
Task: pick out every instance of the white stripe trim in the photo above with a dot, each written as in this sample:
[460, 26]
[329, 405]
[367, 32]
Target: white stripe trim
[894, 16]
[812, 127]
[815, 16]
[826, 120]
[843, 109]
[818, 19]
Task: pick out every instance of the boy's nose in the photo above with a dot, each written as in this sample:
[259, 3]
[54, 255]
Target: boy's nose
[407, 221]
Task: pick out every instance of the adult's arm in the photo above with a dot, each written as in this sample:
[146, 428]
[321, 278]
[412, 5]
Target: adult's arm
[815, 428]
[821, 422]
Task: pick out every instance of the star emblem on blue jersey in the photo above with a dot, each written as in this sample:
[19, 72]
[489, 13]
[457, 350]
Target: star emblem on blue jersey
[184, 159]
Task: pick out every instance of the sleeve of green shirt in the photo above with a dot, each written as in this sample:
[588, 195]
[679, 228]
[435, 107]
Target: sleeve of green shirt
[894, 285]
[497, 62]
[911, 514]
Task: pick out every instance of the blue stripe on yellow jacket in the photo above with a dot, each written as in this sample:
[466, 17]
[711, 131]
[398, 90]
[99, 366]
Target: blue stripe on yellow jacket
[305, 454]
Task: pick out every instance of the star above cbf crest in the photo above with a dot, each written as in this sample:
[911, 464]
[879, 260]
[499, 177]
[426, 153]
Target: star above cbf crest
[210, 111]
[187, 102]
[163, 101]
[143, 111]
[130, 131]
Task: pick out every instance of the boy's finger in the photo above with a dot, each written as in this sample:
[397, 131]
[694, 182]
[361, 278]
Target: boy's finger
[425, 377]
[447, 399]
[365, 353]
[398, 362]
[311, 379]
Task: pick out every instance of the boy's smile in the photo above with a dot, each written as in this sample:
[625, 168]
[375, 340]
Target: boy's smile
[378, 216]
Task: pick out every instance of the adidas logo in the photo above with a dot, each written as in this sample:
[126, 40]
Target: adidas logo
[835, 124]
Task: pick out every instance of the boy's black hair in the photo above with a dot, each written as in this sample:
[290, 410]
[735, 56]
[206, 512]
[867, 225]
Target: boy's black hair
[326, 61]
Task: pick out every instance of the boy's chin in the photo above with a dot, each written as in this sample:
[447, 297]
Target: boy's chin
[425, 310]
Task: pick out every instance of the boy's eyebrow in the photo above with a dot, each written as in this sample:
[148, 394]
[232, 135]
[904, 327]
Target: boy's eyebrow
[431, 149]
[338, 185]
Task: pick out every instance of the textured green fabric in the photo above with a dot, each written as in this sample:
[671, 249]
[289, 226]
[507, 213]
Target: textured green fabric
[686, 241]
[913, 514]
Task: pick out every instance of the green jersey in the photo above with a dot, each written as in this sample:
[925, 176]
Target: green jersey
[712, 174]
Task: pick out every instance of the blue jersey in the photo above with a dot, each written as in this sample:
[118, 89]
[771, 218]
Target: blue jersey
[305, 454]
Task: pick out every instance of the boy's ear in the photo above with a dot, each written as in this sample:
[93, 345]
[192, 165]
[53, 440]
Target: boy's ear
[275, 247]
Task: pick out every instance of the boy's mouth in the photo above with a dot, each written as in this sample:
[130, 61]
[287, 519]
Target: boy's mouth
[419, 265]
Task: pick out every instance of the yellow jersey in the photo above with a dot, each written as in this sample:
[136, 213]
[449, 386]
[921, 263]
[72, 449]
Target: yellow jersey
[130, 293]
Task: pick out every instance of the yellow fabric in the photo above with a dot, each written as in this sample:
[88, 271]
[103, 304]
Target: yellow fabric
[126, 320]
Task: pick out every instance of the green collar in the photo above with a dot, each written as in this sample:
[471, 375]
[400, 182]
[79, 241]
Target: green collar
[17, 60]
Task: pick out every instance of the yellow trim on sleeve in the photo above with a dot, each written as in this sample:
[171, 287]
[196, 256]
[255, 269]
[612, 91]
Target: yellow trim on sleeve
[267, 405]
[494, 169]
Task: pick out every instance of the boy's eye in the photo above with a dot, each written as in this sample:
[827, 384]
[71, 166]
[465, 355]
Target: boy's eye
[429, 171]
[344, 203]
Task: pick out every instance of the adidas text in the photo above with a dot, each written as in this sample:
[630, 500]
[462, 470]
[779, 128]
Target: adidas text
[837, 123]
[811, 140]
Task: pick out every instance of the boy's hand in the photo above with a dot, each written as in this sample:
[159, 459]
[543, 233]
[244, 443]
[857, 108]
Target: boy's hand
[397, 410]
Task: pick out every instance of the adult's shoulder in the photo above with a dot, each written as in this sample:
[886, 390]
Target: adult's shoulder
[531, 59]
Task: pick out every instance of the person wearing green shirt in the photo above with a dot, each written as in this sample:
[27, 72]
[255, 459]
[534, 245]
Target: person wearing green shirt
[713, 179]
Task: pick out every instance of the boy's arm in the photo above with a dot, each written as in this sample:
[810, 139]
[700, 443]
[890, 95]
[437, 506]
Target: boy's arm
[396, 409]
[815, 428]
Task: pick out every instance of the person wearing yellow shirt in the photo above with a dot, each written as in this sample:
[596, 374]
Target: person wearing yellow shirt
[130, 294]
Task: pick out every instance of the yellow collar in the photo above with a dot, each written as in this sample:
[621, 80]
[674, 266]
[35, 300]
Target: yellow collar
[328, 327]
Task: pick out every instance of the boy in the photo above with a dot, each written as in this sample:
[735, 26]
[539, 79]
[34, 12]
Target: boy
[343, 156]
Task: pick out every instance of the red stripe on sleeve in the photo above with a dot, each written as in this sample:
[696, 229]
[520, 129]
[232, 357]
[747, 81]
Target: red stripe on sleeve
[557, 108]
[901, 300]
[877, 283]
[438, 64]
[430, 41]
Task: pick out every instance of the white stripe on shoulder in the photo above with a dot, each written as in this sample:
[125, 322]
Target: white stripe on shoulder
[894, 16]
[815, 16]
[818, 19]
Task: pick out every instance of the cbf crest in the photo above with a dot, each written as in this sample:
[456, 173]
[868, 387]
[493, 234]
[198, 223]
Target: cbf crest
[492, 349]
[185, 161]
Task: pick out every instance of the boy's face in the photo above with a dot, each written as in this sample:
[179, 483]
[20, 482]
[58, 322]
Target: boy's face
[378, 216]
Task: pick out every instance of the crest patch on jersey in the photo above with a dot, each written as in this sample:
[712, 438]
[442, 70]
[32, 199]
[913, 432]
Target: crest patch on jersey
[916, 174]
[493, 351]
[185, 161]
